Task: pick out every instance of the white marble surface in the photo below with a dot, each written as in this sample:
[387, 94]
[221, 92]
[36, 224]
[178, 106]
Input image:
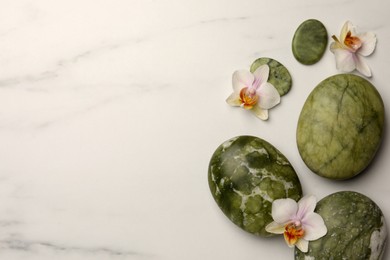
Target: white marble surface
[111, 110]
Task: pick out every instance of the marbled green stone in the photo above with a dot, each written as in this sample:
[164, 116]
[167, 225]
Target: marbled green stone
[309, 42]
[279, 76]
[246, 174]
[356, 229]
[340, 126]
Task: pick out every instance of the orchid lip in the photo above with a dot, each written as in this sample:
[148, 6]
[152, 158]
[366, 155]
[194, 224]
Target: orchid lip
[248, 97]
[293, 232]
[352, 42]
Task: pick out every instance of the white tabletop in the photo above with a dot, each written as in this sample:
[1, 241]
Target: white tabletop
[111, 110]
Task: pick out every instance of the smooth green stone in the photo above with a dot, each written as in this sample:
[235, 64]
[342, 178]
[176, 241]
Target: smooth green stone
[356, 229]
[309, 42]
[246, 174]
[279, 76]
[340, 127]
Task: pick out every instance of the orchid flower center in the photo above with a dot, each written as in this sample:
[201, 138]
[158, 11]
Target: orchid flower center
[352, 42]
[293, 232]
[248, 97]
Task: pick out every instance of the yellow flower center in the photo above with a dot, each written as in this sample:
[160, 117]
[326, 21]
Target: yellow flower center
[293, 232]
[248, 97]
[352, 42]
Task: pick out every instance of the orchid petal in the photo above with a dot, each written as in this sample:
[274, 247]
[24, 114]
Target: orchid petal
[344, 31]
[269, 96]
[242, 79]
[290, 244]
[260, 113]
[344, 60]
[351, 28]
[302, 245]
[305, 206]
[368, 43]
[275, 228]
[284, 210]
[234, 100]
[314, 226]
[335, 46]
[261, 75]
[362, 67]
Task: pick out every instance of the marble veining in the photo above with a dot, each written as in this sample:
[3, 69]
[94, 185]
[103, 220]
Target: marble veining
[32, 247]
[63, 63]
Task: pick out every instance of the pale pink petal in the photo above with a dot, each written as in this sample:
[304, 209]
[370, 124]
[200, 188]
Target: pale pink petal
[260, 113]
[268, 96]
[314, 226]
[275, 228]
[242, 79]
[306, 205]
[302, 245]
[344, 60]
[361, 66]
[284, 210]
[234, 100]
[261, 75]
[368, 43]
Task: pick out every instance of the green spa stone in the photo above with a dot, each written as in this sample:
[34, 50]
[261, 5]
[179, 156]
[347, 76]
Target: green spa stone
[279, 76]
[340, 127]
[246, 174]
[309, 42]
[356, 229]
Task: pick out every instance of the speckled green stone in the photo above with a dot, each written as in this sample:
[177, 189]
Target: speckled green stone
[246, 174]
[356, 229]
[340, 126]
[279, 76]
[309, 42]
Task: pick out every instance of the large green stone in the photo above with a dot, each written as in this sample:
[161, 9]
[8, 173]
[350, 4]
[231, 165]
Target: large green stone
[279, 76]
[340, 126]
[246, 174]
[309, 42]
[356, 229]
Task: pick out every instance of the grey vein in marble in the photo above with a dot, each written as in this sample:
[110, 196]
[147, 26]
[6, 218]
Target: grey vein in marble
[31, 246]
[55, 70]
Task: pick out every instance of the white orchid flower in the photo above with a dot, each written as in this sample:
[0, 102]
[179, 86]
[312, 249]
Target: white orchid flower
[251, 91]
[350, 49]
[297, 221]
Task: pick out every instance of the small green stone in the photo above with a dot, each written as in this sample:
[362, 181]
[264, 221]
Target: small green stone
[246, 174]
[356, 229]
[340, 126]
[309, 42]
[279, 76]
